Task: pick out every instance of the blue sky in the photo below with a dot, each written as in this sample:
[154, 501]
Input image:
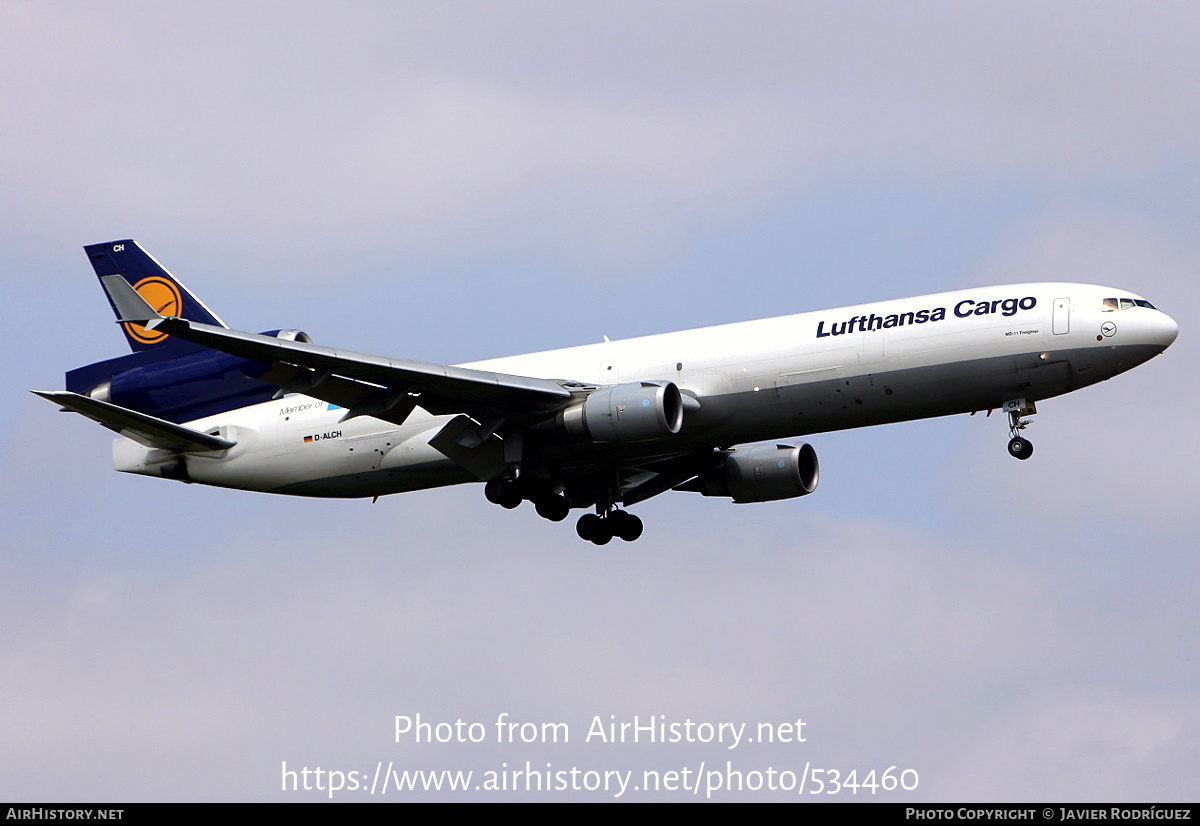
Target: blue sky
[455, 181]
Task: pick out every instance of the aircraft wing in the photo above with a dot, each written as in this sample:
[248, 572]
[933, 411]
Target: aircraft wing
[147, 430]
[367, 385]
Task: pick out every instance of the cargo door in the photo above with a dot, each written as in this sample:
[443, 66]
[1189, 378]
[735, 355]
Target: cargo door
[1062, 316]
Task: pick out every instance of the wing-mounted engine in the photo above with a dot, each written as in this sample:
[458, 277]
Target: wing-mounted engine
[760, 473]
[626, 412]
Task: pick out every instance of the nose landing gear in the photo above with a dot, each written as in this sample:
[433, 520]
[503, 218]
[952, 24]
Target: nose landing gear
[1021, 448]
[1018, 446]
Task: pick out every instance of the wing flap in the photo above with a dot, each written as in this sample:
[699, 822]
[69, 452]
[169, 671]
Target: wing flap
[660, 477]
[461, 442]
[359, 398]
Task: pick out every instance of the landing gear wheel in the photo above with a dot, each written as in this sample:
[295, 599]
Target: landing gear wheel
[625, 525]
[494, 490]
[1020, 448]
[555, 508]
[603, 533]
[503, 492]
[595, 529]
[587, 526]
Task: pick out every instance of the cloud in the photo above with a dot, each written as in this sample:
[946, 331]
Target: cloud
[302, 644]
[601, 138]
[1090, 745]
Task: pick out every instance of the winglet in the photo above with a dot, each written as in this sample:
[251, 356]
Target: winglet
[131, 307]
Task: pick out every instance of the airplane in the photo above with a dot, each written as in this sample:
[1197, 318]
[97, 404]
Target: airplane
[714, 411]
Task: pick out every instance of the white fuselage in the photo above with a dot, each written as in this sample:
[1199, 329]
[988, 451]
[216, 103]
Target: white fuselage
[774, 378]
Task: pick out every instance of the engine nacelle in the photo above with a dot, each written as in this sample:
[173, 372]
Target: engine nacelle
[626, 412]
[292, 335]
[763, 473]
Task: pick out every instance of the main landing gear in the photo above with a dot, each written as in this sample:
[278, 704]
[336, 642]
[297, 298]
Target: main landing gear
[1018, 446]
[600, 529]
[511, 490]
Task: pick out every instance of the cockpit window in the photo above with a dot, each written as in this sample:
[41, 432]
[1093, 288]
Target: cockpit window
[1111, 305]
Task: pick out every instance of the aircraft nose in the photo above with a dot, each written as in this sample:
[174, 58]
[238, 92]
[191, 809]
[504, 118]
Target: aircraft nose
[1165, 330]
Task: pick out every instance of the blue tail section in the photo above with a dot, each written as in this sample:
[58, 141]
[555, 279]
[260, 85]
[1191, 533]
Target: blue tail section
[161, 289]
[163, 376]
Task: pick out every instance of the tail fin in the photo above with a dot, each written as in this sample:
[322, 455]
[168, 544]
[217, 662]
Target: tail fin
[157, 286]
[164, 377]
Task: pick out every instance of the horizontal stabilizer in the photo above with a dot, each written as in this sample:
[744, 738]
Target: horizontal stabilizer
[146, 430]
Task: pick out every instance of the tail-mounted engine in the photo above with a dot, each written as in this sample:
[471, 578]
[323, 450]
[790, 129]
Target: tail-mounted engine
[197, 383]
[626, 412]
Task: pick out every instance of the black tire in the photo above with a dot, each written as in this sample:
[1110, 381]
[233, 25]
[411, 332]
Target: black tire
[494, 490]
[629, 528]
[587, 526]
[555, 508]
[1020, 448]
[512, 496]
